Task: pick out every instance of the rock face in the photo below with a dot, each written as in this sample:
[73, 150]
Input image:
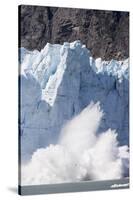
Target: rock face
[60, 81]
[106, 33]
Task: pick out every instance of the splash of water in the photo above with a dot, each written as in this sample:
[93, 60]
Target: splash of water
[80, 154]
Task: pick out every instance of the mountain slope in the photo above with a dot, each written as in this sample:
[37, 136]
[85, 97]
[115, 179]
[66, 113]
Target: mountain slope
[106, 33]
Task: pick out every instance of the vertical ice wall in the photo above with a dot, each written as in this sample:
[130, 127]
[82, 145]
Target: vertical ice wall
[61, 80]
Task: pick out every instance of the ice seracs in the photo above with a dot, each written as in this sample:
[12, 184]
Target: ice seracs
[48, 66]
[119, 69]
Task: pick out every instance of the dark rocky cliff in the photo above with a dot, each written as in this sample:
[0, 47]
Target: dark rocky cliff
[105, 33]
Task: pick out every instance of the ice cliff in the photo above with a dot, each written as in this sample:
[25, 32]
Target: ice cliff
[58, 82]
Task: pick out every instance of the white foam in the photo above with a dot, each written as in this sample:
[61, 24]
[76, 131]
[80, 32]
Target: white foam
[80, 154]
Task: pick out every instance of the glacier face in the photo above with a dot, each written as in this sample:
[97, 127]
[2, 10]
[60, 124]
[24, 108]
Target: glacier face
[60, 81]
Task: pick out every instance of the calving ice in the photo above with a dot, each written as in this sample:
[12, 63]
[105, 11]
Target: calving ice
[80, 154]
[73, 108]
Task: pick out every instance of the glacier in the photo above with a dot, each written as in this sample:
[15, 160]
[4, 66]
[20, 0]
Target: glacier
[58, 82]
